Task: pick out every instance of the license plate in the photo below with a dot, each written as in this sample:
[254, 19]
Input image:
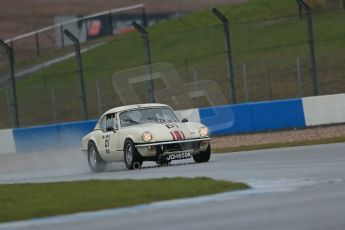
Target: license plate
[178, 156]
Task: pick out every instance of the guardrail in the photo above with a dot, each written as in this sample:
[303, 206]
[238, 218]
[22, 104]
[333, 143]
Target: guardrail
[221, 120]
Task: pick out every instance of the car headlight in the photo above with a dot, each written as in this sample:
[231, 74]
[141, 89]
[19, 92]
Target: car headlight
[147, 136]
[203, 131]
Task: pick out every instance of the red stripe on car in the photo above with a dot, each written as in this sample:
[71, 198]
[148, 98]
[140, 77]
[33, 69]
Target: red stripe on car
[173, 136]
[183, 136]
[178, 135]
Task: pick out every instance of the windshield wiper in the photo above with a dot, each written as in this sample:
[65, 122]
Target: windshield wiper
[159, 120]
[151, 118]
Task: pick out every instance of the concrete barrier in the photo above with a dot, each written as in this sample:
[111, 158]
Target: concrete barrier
[55, 136]
[227, 119]
[253, 117]
[323, 110]
[274, 115]
[7, 144]
[221, 120]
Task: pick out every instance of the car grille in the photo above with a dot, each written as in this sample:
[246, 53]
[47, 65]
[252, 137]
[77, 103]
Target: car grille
[181, 146]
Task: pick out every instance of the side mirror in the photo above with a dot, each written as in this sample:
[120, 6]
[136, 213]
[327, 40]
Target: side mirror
[184, 120]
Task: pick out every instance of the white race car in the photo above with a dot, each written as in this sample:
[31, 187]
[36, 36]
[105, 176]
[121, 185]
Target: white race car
[144, 132]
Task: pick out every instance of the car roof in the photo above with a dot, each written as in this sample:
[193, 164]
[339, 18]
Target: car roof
[136, 106]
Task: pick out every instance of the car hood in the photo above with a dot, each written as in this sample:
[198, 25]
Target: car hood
[168, 131]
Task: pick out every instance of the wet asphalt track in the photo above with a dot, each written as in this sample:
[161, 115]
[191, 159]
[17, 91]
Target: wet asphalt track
[293, 188]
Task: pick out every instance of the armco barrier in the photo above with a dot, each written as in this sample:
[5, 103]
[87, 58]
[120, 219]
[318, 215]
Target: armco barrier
[253, 117]
[57, 136]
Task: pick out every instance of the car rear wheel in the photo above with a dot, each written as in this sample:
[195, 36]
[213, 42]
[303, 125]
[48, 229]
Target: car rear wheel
[131, 156]
[96, 163]
[203, 156]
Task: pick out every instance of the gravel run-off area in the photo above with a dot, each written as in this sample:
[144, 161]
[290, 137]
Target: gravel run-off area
[285, 136]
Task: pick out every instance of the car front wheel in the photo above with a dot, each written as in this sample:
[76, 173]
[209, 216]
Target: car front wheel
[96, 163]
[203, 156]
[131, 156]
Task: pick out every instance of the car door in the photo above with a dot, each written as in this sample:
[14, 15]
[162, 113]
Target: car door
[115, 142]
[109, 142]
[98, 134]
[101, 137]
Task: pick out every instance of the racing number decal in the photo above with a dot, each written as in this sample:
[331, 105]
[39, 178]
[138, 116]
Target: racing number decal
[107, 143]
[107, 139]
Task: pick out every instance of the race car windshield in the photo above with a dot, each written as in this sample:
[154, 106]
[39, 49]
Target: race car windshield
[150, 115]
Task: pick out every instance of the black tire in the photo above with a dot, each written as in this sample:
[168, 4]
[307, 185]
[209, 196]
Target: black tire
[96, 163]
[203, 156]
[132, 158]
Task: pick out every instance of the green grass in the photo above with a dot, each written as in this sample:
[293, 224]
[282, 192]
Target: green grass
[26, 201]
[266, 35]
[280, 145]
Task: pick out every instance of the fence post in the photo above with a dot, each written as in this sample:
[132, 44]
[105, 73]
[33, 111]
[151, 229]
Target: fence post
[245, 86]
[80, 71]
[37, 44]
[53, 94]
[99, 99]
[231, 76]
[86, 28]
[307, 10]
[61, 36]
[10, 58]
[12, 46]
[299, 78]
[111, 28]
[8, 102]
[150, 85]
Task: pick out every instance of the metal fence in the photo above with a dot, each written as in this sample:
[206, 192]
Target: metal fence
[270, 57]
